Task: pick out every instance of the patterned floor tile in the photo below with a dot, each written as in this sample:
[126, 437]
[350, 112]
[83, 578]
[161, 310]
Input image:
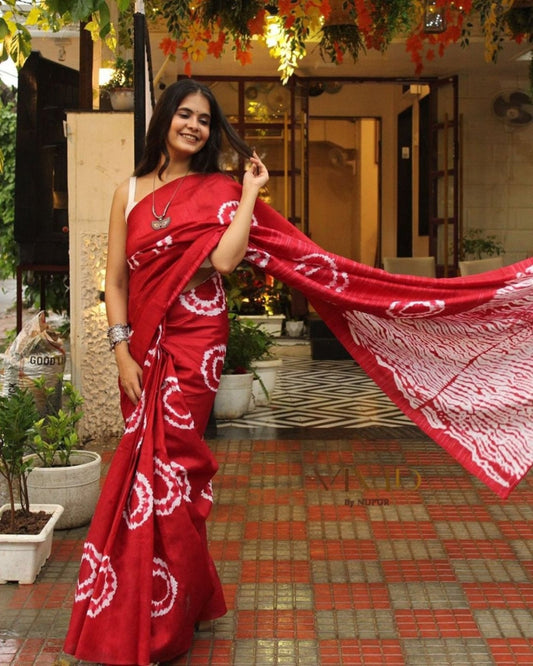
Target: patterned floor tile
[359, 652]
[427, 594]
[503, 623]
[442, 623]
[436, 652]
[322, 394]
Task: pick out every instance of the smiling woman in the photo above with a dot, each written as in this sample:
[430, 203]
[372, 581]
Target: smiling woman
[168, 329]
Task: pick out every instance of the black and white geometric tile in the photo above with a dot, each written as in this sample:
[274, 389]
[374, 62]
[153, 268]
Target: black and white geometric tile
[323, 394]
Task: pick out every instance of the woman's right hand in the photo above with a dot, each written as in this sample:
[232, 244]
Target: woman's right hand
[129, 373]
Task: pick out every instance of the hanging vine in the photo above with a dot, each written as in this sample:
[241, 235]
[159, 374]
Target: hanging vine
[201, 28]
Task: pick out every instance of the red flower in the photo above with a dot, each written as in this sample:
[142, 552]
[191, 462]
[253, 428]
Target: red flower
[168, 46]
[188, 66]
[257, 25]
[244, 57]
[215, 48]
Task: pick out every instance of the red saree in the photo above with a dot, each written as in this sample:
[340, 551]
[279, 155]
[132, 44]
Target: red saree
[454, 354]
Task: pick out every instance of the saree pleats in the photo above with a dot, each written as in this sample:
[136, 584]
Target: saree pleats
[146, 576]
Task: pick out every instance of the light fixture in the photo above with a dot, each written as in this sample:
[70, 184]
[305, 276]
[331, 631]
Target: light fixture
[104, 75]
[434, 19]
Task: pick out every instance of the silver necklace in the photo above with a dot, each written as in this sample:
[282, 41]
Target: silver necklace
[162, 221]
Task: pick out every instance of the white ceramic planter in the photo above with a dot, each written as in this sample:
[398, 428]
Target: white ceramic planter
[268, 372]
[294, 328]
[122, 99]
[272, 324]
[23, 555]
[233, 396]
[76, 487]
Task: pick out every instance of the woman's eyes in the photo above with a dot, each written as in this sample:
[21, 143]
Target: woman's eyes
[184, 115]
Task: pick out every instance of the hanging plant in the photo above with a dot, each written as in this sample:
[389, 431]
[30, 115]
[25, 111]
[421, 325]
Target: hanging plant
[288, 25]
[519, 20]
[201, 28]
[492, 16]
[425, 46]
[338, 40]
[234, 15]
[381, 20]
[340, 34]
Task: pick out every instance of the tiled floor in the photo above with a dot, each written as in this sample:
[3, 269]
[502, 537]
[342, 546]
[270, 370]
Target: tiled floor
[336, 545]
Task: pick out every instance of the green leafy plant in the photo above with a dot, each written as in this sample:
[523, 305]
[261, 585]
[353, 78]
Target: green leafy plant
[248, 292]
[18, 413]
[122, 76]
[475, 245]
[235, 16]
[8, 338]
[57, 291]
[247, 342]
[8, 247]
[337, 40]
[207, 27]
[55, 436]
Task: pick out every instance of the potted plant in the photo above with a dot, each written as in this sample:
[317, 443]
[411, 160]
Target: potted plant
[247, 344]
[294, 327]
[258, 297]
[475, 245]
[26, 529]
[120, 85]
[61, 471]
[265, 366]
[340, 33]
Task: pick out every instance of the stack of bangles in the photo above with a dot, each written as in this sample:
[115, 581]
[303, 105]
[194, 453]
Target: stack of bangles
[117, 333]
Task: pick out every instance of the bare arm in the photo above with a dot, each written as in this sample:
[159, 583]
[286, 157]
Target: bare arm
[231, 249]
[116, 293]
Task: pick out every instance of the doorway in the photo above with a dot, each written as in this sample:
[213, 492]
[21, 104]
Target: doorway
[344, 184]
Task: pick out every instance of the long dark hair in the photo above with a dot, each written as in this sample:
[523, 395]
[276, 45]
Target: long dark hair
[207, 159]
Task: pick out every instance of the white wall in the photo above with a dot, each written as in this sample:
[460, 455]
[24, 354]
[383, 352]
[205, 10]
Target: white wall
[498, 167]
[100, 156]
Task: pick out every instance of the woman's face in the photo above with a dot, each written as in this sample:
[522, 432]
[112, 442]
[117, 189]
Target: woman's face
[189, 127]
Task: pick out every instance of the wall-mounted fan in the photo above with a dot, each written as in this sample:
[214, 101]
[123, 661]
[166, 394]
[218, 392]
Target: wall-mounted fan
[515, 108]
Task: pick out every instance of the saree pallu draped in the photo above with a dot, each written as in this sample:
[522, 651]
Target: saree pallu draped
[454, 354]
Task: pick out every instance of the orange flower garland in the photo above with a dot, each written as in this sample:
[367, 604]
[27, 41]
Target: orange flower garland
[286, 25]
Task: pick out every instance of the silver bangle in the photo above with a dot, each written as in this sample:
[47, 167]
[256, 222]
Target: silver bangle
[117, 333]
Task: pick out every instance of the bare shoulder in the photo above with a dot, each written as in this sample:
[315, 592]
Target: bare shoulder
[144, 185]
[122, 190]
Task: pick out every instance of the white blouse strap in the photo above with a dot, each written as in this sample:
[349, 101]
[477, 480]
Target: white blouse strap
[131, 195]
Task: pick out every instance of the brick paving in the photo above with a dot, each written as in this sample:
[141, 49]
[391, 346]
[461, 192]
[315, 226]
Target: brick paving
[333, 551]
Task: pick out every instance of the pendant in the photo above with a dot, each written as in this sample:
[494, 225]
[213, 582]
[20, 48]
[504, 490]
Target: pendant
[160, 223]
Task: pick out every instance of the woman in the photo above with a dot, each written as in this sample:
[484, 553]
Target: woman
[456, 355]
[146, 577]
